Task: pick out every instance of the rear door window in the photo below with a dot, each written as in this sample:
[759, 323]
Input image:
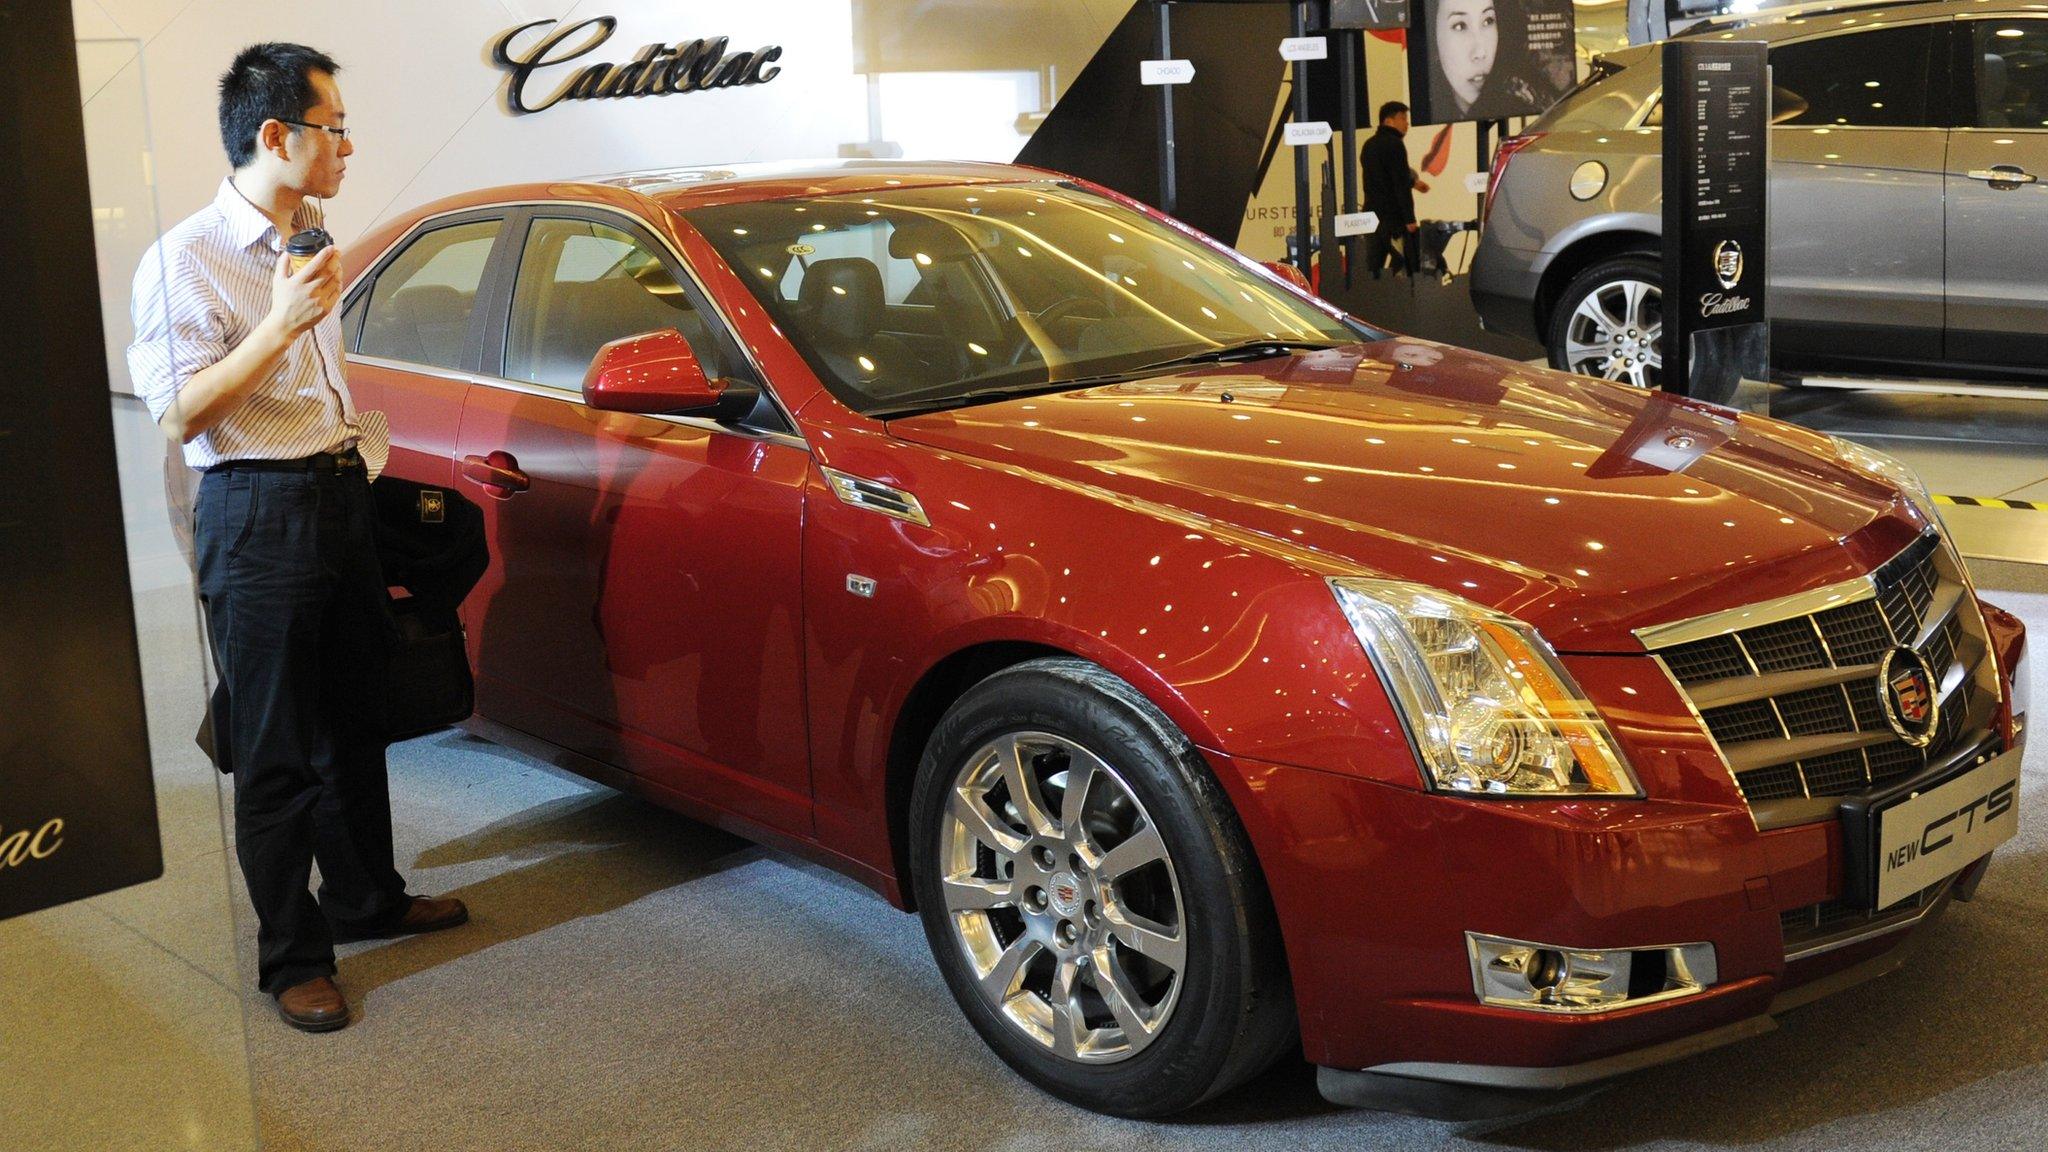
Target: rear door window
[1873, 79]
[2010, 60]
[421, 305]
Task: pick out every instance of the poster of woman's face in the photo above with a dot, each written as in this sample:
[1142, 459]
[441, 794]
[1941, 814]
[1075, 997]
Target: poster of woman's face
[1489, 59]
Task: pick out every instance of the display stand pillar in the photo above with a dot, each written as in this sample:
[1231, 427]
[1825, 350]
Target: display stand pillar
[1348, 45]
[1301, 200]
[1169, 191]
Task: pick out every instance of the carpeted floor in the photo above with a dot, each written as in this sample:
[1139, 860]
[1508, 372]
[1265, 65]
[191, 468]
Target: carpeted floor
[635, 980]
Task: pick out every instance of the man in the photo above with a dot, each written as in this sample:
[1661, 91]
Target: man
[1390, 187]
[238, 357]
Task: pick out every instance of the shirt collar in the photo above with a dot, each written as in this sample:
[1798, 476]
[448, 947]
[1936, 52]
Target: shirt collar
[246, 223]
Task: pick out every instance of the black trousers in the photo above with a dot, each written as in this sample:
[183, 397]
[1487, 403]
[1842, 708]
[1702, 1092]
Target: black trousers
[1396, 246]
[294, 603]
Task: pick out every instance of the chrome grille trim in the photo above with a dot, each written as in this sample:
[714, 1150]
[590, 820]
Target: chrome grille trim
[1661, 636]
[1804, 726]
[1825, 927]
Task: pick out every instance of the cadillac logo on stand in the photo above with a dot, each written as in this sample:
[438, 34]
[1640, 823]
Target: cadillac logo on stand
[1728, 263]
[1906, 686]
[659, 70]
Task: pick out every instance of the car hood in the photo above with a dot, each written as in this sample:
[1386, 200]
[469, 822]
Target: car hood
[1585, 508]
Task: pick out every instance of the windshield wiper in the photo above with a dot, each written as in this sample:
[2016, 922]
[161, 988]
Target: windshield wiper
[983, 395]
[1261, 349]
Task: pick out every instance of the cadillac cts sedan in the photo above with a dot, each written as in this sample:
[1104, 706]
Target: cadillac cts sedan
[1215, 675]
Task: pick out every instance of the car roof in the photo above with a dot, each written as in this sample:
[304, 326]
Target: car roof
[1794, 20]
[679, 189]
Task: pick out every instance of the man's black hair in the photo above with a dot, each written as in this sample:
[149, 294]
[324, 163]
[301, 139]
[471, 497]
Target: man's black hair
[1391, 109]
[270, 81]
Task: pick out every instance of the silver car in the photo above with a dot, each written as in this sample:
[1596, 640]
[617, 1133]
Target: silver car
[1908, 224]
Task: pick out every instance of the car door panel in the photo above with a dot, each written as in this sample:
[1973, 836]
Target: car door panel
[1856, 194]
[643, 605]
[423, 439]
[1997, 181]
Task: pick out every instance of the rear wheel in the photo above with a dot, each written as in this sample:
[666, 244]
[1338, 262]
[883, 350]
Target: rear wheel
[1609, 323]
[1090, 897]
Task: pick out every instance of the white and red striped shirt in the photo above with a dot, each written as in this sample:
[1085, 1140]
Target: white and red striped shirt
[201, 289]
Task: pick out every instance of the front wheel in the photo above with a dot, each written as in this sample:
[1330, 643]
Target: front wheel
[1090, 897]
[1610, 323]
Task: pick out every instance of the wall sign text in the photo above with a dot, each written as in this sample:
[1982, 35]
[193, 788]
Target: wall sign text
[659, 69]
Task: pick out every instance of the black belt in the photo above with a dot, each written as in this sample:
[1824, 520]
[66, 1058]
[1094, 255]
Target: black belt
[335, 462]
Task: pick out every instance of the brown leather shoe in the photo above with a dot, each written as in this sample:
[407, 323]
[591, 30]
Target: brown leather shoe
[314, 1006]
[431, 914]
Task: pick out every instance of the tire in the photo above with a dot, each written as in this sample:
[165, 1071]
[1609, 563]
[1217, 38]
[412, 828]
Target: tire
[1202, 1001]
[1609, 323]
[1609, 320]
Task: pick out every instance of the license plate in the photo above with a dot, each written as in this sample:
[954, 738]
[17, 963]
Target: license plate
[1937, 832]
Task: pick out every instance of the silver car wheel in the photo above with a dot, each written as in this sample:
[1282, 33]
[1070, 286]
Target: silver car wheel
[1062, 897]
[1616, 333]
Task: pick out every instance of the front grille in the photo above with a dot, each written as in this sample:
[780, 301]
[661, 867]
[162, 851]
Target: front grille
[1795, 703]
[1806, 928]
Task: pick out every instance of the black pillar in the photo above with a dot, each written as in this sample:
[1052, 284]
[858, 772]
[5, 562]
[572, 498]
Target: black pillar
[1301, 255]
[1348, 44]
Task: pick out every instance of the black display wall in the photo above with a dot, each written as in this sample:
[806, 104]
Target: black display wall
[77, 807]
[1105, 127]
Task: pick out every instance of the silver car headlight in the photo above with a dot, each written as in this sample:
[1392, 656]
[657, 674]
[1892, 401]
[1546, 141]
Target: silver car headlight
[1892, 470]
[1488, 706]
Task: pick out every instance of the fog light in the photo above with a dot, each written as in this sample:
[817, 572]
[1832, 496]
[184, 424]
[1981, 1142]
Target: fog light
[1544, 969]
[1510, 973]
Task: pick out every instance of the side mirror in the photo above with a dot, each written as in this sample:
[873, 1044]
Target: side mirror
[1289, 273]
[658, 373]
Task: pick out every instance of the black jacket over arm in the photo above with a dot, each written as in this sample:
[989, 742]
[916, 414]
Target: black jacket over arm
[1389, 191]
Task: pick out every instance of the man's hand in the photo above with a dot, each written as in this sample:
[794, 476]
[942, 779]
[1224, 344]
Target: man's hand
[1422, 185]
[1412, 226]
[300, 300]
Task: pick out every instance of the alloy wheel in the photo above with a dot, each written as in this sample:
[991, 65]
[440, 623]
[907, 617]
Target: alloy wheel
[1617, 333]
[1062, 896]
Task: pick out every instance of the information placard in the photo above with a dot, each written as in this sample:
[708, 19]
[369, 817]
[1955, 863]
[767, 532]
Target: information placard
[1357, 223]
[1717, 108]
[1304, 48]
[1308, 133]
[1166, 71]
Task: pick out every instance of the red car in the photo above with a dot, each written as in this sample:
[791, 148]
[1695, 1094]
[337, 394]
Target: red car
[1213, 673]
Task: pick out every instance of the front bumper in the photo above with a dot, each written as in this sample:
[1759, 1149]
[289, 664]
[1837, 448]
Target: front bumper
[1494, 1092]
[1376, 886]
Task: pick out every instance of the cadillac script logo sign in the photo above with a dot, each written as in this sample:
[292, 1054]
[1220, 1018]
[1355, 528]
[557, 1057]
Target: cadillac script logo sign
[1906, 685]
[659, 69]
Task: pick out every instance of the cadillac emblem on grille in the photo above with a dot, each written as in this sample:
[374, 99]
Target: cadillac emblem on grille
[1907, 687]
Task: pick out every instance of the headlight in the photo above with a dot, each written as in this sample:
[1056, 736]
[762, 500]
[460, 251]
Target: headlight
[1893, 470]
[1488, 706]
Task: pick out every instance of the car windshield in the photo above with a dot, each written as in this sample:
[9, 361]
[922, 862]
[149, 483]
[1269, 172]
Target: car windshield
[923, 298]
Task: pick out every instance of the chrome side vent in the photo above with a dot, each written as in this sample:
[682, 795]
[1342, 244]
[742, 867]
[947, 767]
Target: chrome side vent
[877, 497]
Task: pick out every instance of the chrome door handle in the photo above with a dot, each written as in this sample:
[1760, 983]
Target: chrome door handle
[2009, 174]
[498, 473]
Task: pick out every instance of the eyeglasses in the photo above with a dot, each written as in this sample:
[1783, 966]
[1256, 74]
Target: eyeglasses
[337, 133]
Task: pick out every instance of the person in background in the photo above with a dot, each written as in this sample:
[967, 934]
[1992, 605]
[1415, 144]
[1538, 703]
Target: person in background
[1390, 188]
[237, 353]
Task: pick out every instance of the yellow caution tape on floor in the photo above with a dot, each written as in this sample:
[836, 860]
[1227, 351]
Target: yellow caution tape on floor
[1991, 502]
